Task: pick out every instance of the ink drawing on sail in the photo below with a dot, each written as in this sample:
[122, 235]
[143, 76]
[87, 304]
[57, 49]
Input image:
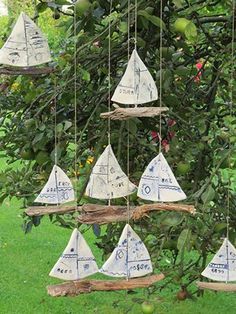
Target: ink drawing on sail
[130, 258]
[26, 45]
[107, 179]
[158, 182]
[223, 265]
[77, 260]
[57, 190]
[137, 85]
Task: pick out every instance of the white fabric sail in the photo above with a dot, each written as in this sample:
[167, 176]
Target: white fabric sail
[130, 258]
[137, 85]
[158, 182]
[223, 265]
[26, 46]
[107, 179]
[58, 189]
[77, 260]
[3, 8]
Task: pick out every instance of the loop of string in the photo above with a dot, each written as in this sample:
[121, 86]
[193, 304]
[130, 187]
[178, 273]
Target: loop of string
[75, 107]
[160, 88]
[109, 93]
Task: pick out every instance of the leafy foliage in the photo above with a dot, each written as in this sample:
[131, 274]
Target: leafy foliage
[199, 130]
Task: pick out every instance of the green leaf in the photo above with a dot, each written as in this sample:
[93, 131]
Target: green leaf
[178, 3]
[67, 125]
[208, 195]
[184, 239]
[191, 31]
[37, 138]
[152, 18]
[172, 219]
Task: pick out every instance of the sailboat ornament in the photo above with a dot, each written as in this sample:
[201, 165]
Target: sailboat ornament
[26, 46]
[136, 87]
[58, 189]
[107, 180]
[158, 182]
[77, 260]
[221, 269]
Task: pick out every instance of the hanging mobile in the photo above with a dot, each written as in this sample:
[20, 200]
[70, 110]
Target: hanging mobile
[130, 259]
[25, 49]
[222, 268]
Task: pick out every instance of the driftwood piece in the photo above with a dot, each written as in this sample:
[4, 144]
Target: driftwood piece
[216, 286]
[86, 286]
[102, 214]
[127, 113]
[47, 210]
[25, 71]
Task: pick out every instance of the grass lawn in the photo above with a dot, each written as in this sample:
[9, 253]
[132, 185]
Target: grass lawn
[25, 261]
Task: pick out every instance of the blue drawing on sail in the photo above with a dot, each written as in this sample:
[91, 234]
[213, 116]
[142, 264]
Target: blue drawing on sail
[130, 258]
[158, 182]
[107, 180]
[26, 45]
[137, 85]
[3, 8]
[77, 260]
[58, 189]
[223, 265]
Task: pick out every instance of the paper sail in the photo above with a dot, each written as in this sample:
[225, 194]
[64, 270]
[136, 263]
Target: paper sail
[3, 8]
[58, 189]
[223, 265]
[26, 46]
[130, 258]
[107, 179]
[77, 260]
[158, 182]
[137, 85]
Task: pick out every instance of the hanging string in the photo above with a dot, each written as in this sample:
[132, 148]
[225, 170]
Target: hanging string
[128, 144]
[230, 112]
[135, 23]
[109, 93]
[75, 107]
[160, 71]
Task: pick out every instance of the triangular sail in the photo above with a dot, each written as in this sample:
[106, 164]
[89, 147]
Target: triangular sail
[223, 265]
[3, 8]
[58, 189]
[158, 182]
[107, 179]
[137, 85]
[26, 46]
[130, 258]
[77, 260]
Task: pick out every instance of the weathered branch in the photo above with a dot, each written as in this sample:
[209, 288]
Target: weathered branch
[86, 286]
[25, 71]
[216, 286]
[127, 113]
[102, 214]
[48, 210]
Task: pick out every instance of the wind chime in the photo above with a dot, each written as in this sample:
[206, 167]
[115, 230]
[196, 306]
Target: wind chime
[25, 49]
[222, 268]
[130, 259]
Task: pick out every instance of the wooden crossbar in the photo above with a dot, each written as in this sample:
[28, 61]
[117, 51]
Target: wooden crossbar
[217, 286]
[102, 214]
[86, 286]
